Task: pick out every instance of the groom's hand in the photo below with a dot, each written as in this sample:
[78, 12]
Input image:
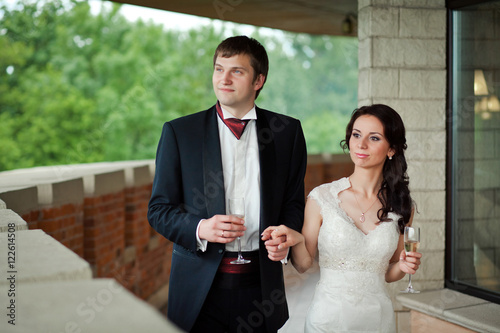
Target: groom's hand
[221, 228]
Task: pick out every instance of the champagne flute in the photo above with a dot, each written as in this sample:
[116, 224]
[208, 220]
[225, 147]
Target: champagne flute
[237, 208]
[412, 241]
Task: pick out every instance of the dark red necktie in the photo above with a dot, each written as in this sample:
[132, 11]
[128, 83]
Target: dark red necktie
[237, 126]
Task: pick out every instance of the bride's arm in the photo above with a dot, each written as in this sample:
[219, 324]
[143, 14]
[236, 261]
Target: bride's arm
[303, 245]
[303, 254]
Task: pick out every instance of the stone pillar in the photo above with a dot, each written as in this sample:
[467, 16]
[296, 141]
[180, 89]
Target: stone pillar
[23, 201]
[402, 63]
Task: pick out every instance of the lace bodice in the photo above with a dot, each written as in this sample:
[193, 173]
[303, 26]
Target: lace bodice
[351, 295]
[342, 245]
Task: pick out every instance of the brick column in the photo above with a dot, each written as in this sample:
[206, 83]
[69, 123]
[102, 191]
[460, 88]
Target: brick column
[104, 222]
[137, 193]
[402, 63]
[61, 212]
[151, 267]
[137, 230]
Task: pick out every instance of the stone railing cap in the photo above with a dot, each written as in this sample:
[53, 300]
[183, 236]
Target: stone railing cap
[39, 257]
[8, 217]
[98, 306]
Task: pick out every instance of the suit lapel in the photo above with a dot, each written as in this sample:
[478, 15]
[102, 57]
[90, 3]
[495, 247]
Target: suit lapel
[267, 157]
[213, 178]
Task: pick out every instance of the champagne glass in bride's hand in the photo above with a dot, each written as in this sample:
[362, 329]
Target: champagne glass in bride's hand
[237, 208]
[412, 240]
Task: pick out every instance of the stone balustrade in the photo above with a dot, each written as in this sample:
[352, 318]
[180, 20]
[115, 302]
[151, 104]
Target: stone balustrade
[46, 287]
[83, 255]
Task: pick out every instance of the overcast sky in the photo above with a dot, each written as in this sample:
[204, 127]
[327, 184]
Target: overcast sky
[172, 20]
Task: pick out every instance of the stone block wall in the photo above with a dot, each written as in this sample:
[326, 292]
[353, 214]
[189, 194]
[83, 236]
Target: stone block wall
[402, 63]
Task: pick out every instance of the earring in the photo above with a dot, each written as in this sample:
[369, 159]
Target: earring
[390, 157]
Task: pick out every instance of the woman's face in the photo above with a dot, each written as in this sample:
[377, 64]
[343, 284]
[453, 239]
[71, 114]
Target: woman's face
[368, 145]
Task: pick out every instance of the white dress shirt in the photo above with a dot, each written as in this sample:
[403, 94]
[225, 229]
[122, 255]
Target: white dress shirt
[241, 157]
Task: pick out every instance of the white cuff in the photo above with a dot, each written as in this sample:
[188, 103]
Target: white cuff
[285, 261]
[201, 243]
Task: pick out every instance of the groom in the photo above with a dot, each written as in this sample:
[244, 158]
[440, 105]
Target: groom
[232, 149]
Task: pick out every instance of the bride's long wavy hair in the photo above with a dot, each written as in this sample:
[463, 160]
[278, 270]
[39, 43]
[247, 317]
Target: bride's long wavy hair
[394, 193]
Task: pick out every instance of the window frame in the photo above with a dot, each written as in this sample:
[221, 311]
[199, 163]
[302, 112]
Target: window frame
[453, 5]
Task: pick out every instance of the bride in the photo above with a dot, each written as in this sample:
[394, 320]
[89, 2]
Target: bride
[356, 224]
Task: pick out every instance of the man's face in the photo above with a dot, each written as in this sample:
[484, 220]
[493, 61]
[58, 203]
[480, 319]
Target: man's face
[234, 85]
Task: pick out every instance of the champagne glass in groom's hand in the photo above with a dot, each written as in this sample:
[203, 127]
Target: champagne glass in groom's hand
[237, 208]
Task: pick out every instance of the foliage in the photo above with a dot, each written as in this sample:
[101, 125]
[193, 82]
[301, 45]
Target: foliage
[78, 87]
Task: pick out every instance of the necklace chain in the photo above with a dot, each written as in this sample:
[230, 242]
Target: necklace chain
[362, 217]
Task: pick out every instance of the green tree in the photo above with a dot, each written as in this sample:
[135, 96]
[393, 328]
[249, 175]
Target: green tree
[43, 117]
[315, 80]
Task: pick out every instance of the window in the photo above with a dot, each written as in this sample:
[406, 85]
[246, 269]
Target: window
[473, 223]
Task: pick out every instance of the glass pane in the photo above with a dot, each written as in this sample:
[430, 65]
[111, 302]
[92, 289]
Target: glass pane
[476, 147]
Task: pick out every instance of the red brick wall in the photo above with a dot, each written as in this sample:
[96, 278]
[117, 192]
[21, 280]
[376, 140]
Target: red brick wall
[149, 269]
[156, 263]
[64, 223]
[31, 219]
[137, 229]
[112, 233]
[104, 225]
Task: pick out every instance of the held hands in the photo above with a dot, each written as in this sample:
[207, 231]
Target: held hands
[221, 228]
[409, 262]
[279, 239]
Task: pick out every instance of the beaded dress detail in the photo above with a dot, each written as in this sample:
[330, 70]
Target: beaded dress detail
[351, 294]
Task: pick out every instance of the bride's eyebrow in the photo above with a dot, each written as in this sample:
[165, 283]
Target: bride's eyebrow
[370, 133]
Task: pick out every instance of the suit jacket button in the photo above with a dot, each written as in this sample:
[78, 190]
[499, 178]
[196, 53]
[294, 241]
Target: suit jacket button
[221, 250]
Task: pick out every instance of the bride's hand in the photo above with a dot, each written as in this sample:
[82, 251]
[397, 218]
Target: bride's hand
[289, 237]
[409, 262]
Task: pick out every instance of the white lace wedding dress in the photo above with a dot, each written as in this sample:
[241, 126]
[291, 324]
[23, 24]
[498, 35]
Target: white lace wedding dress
[351, 295]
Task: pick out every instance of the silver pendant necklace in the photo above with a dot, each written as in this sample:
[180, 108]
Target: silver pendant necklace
[362, 217]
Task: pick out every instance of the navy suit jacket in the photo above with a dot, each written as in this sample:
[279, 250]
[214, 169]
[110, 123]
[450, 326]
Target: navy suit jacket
[189, 186]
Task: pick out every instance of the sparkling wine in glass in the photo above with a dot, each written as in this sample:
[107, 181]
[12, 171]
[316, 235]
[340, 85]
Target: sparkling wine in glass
[237, 208]
[412, 241]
